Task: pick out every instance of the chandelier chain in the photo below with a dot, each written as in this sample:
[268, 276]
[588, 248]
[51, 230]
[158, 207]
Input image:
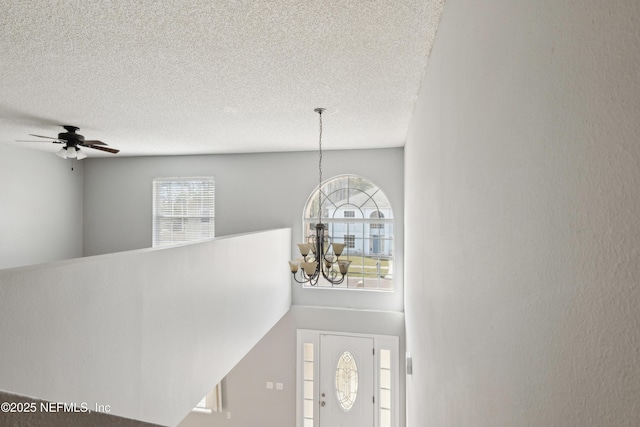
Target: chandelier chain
[320, 172]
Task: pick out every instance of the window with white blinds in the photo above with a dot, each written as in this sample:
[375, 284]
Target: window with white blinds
[212, 402]
[183, 210]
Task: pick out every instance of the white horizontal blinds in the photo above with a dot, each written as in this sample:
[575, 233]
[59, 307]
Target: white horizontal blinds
[183, 210]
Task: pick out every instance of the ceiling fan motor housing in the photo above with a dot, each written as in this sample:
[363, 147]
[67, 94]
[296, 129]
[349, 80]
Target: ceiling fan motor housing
[71, 137]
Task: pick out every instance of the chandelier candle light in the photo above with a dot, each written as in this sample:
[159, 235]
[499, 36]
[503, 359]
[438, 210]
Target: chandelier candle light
[320, 257]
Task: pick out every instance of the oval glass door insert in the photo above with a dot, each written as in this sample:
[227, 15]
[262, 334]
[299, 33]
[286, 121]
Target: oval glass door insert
[346, 381]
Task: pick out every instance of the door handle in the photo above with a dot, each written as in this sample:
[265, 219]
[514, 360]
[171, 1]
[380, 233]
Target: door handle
[322, 403]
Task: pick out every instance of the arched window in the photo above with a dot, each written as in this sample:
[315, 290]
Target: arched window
[359, 215]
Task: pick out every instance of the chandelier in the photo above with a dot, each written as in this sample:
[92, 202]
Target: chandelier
[320, 256]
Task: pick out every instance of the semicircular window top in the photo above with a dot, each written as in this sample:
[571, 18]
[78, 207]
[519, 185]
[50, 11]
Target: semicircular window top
[357, 213]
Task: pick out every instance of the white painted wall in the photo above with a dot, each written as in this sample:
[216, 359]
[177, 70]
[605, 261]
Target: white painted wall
[147, 332]
[523, 217]
[40, 207]
[253, 192]
[274, 359]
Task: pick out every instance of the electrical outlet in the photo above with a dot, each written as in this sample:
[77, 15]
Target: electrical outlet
[279, 386]
[228, 415]
[269, 385]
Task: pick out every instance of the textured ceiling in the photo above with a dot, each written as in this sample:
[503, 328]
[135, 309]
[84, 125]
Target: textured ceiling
[214, 76]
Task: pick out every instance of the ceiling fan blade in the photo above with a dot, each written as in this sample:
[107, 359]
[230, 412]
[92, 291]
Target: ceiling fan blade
[52, 142]
[40, 136]
[101, 148]
[11, 114]
[93, 142]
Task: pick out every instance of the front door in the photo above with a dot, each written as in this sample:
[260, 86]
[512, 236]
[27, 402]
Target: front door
[346, 381]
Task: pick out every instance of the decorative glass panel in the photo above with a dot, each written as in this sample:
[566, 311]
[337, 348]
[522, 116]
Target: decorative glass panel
[385, 388]
[307, 392]
[385, 378]
[346, 381]
[385, 418]
[385, 398]
[308, 352]
[308, 409]
[308, 370]
[385, 359]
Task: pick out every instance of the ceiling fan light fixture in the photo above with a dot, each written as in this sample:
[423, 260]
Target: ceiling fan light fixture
[62, 153]
[80, 154]
[71, 153]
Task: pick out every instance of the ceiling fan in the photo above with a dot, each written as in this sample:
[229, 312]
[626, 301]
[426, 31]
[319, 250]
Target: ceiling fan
[73, 141]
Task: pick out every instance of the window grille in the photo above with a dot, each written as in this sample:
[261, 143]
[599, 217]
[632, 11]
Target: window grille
[349, 240]
[357, 213]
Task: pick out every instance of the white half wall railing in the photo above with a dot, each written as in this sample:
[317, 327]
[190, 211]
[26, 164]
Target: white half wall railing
[147, 332]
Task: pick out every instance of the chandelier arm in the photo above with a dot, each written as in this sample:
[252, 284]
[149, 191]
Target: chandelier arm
[305, 279]
[332, 279]
[296, 278]
[331, 273]
[324, 258]
[313, 280]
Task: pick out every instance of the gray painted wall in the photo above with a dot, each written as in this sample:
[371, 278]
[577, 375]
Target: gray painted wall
[253, 192]
[274, 359]
[523, 217]
[40, 207]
